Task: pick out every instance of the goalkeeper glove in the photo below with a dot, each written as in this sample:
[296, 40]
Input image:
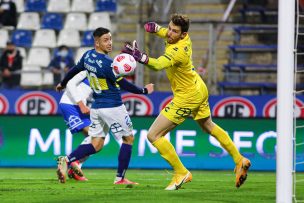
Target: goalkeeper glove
[127, 48]
[136, 53]
[152, 27]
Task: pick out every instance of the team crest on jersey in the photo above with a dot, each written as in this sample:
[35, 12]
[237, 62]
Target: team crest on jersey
[175, 48]
[186, 49]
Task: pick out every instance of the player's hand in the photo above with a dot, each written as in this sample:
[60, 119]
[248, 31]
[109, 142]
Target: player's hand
[135, 52]
[83, 108]
[138, 55]
[59, 88]
[127, 48]
[152, 27]
[150, 88]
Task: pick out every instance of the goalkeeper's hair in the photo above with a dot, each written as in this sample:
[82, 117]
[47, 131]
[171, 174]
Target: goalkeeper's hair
[100, 31]
[181, 20]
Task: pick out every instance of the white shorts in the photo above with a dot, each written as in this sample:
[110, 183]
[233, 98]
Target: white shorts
[115, 119]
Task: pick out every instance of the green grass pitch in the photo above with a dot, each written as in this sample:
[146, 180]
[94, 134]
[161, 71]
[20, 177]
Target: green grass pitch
[41, 185]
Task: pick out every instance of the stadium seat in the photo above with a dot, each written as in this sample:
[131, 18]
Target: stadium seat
[80, 52]
[87, 39]
[23, 54]
[45, 38]
[39, 56]
[76, 21]
[86, 6]
[31, 76]
[35, 5]
[59, 6]
[100, 19]
[19, 5]
[22, 38]
[4, 37]
[29, 21]
[52, 21]
[70, 38]
[47, 78]
[106, 5]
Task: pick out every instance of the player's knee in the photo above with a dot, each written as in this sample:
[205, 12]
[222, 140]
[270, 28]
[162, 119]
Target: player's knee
[97, 144]
[128, 139]
[151, 137]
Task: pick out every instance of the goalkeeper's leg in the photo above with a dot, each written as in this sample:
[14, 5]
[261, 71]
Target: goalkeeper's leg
[242, 164]
[157, 131]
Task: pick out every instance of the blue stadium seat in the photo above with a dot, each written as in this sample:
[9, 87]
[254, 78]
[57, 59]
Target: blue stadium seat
[106, 5]
[35, 5]
[87, 39]
[22, 38]
[52, 21]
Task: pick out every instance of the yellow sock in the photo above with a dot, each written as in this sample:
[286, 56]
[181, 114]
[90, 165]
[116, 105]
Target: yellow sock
[168, 152]
[226, 143]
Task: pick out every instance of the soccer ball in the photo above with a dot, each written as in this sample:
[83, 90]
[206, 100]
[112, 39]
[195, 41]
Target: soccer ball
[124, 64]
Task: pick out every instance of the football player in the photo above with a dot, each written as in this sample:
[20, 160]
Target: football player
[107, 113]
[190, 98]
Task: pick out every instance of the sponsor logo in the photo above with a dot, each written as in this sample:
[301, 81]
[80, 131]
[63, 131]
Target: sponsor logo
[137, 105]
[36, 103]
[270, 109]
[4, 104]
[236, 107]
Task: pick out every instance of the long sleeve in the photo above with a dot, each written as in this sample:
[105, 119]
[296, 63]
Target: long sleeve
[71, 86]
[124, 84]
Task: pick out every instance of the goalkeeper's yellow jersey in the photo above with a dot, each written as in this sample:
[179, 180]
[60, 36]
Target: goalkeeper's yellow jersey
[177, 61]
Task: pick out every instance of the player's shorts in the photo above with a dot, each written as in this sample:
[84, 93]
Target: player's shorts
[181, 108]
[115, 119]
[74, 119]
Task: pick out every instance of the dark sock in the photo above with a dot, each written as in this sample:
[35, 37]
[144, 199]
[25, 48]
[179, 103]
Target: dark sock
[81, 152]
[124, 159]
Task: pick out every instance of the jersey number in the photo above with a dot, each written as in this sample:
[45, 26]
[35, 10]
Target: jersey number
[97, 84]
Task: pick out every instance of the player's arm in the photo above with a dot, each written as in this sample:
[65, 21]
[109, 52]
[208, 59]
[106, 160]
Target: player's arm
[71, 87]
[130, 87]
[168, 59]
[76, 69]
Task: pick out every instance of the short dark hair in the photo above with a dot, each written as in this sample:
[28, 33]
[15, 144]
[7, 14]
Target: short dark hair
[181, 20]
[10, 43]
[100, 31]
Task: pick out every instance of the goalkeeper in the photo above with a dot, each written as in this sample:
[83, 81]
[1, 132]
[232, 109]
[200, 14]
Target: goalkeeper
[190, 98]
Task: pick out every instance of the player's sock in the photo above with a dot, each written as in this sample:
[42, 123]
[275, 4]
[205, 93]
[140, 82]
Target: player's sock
[226, 143]
[81, 152]
[123, 159]
[168, 152]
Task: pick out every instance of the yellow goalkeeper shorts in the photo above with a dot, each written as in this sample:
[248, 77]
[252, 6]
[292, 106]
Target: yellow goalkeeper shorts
[177, 111]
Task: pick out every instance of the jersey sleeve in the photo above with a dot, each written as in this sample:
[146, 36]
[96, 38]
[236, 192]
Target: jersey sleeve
[171, 57]
[71, 87]
[162, 32]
